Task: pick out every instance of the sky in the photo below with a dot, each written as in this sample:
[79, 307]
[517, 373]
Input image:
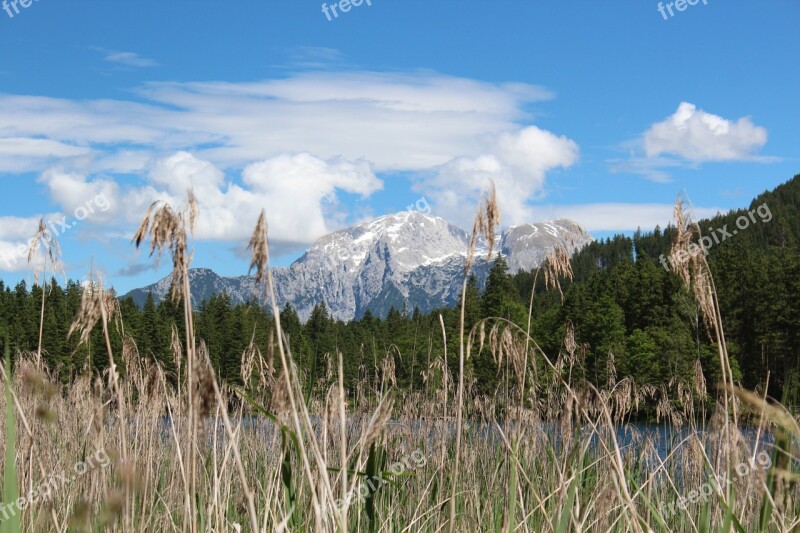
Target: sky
[329, 114]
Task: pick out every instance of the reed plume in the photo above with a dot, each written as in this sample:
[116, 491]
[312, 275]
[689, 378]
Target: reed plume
[43, 242]
[557, 266]
[690, 264]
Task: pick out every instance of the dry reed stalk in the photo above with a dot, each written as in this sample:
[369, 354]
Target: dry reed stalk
[632, 518]
[343, 437]
[99, 306]
[248, 361]
[46, 241]
[42, 472]
[93, 308]
[211, 382]
[557, 266]
[369, 434]
[326, 487]
[42, 239]
[484, 226]
[259, 244]
[445, 369]
[177, 351]
[174, 433]
[690, 263]
[168, 230]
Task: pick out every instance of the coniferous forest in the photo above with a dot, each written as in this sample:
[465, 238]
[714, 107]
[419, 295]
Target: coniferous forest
[630, 316]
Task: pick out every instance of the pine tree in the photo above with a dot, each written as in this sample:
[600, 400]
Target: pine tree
[501, 298]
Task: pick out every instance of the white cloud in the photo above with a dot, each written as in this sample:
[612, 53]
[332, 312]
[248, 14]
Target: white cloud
[128, 59]
[517, 162]
[18, 227]
[397, 121]
[95, 125]
[96, 201]
[15, 236]
[183, 171]
[618, 216]
[293, 189]
[697, 136]
[21, 154]
[13, 256]
[122, 162]
[289, 145]
[688, 138]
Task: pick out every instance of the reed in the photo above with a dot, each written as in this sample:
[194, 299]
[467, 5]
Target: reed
[137, 450]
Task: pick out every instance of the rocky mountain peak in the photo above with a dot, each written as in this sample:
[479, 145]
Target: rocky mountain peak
[408, 239]
[403, 260]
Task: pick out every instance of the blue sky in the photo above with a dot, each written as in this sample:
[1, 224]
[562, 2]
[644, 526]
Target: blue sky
[597, 111]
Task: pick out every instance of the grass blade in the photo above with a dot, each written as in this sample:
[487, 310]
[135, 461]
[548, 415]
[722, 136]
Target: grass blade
[10, 488]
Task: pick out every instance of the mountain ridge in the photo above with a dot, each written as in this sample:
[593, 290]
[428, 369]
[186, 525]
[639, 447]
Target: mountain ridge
[407, 259]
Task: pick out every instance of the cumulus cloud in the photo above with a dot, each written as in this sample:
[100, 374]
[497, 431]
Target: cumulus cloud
[182, 171]
[688, 138]
[294, 189]
[19, 228]
[96, 199]
[697, 136]
[298, 191]
[13, 256]
[517, 162]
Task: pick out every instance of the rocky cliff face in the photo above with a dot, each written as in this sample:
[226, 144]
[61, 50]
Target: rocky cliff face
[526, 246]
[403, 260]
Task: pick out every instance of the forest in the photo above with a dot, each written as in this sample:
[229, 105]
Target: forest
[630, 318]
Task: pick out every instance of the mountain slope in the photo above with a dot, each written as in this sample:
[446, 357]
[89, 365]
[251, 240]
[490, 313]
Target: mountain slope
[406, 259]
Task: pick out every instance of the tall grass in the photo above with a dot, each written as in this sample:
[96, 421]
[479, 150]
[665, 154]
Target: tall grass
[553, 453]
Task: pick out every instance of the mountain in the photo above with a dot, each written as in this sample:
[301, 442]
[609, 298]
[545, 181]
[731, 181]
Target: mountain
[407, 259]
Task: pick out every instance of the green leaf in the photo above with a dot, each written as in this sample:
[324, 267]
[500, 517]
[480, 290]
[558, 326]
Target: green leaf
[375, 463]
[730, 518]
[563, 523]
